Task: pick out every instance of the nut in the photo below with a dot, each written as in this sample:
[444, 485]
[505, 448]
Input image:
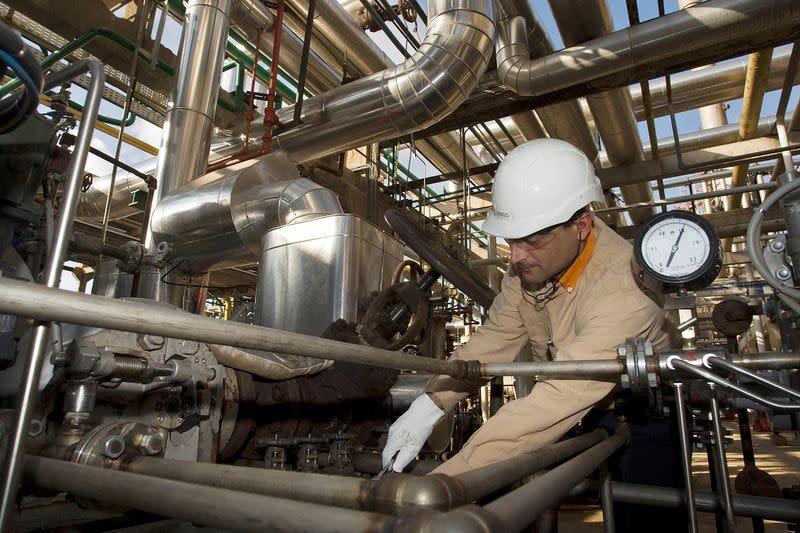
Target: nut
[783, 274]
[150, 342]
[36, 428]
[113, 446]
[776, 245]
[152, 444]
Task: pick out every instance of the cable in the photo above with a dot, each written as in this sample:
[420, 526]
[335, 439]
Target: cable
[240, 288]
[19, 58]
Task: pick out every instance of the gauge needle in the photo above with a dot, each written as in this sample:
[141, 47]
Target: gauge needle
[675, 246]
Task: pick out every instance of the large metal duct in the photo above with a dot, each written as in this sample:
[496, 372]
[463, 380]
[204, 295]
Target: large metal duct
[218, 221]
[406, 98]
[718, 83]
[708, 25]
[563, 120]
[612, 110]
[186, 137]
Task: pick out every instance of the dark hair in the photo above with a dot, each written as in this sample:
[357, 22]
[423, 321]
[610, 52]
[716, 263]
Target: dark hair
[575, 216]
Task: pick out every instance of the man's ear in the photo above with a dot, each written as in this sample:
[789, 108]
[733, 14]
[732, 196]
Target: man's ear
[583, 223]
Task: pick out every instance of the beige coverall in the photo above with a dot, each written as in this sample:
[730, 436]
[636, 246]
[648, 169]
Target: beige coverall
[594, 310]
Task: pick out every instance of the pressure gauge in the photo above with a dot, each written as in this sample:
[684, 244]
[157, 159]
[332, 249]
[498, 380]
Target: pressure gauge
[679, 250]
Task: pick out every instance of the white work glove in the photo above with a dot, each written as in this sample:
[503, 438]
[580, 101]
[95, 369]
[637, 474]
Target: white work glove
[410, 431]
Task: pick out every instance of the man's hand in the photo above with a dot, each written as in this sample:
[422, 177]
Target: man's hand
[410, 431]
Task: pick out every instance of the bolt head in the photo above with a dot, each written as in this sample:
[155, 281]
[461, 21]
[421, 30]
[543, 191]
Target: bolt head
[783, 274]
[776, 245]
[36, 428]
[113, 446]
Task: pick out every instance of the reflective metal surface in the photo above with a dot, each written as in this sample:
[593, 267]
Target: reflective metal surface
[218, 220]
[186, 137]
[723, 81]
[408, 97]
[315, 272]
[110, 281]
[612, 110]
[27, 399]
[709, 24]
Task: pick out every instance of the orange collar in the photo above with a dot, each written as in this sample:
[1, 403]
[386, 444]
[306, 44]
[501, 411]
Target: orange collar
[570, 278]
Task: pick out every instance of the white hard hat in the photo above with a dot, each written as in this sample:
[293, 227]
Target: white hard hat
[540, 183]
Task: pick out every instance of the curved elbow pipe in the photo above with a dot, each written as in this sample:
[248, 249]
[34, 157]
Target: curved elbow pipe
[218, 220]
[709, 24]
[408, 97]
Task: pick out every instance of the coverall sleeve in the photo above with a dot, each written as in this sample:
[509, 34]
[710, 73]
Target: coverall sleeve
[554, 406]
[498, 340]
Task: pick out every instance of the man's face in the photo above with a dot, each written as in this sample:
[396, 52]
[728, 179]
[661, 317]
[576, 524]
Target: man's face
[540, 257]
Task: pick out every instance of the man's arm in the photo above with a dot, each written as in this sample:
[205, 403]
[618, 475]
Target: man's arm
[498, 340]
[554, 406]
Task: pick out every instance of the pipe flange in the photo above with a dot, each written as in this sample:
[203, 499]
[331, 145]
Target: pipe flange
[110, 445]
[626, 352]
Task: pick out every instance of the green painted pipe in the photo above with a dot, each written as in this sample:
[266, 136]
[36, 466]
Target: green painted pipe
[80, 41]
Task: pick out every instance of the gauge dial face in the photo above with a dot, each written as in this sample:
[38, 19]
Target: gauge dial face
[676, 248]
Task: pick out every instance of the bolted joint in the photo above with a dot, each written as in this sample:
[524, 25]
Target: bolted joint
[783, 274]
[151, 444]
[113, 446]
[83, 356]
[777, 245]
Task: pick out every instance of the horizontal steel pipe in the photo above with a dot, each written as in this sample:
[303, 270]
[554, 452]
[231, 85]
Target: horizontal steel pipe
[484, 481]
[520, 507]
[323, 489]
[753, 506]
[708, 25]
[205, 505]
[34, 301]
[602, 368]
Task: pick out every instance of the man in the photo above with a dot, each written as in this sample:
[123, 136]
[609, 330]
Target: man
[569, 292]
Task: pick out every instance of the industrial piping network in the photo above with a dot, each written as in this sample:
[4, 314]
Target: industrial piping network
[267, 500]
[246, 502]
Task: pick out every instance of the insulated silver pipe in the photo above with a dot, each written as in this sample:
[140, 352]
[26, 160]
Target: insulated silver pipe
[405, 98]
[73, 180]
[208, 506]
[186, 139]
[218, 220]
[682, 32]
[248, 16]
[718, 83]
[612, 110]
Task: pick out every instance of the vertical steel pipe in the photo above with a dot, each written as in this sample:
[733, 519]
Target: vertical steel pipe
[186, 140]
[723, 480]
[72, 188]
[607, 500]
[686, 455]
